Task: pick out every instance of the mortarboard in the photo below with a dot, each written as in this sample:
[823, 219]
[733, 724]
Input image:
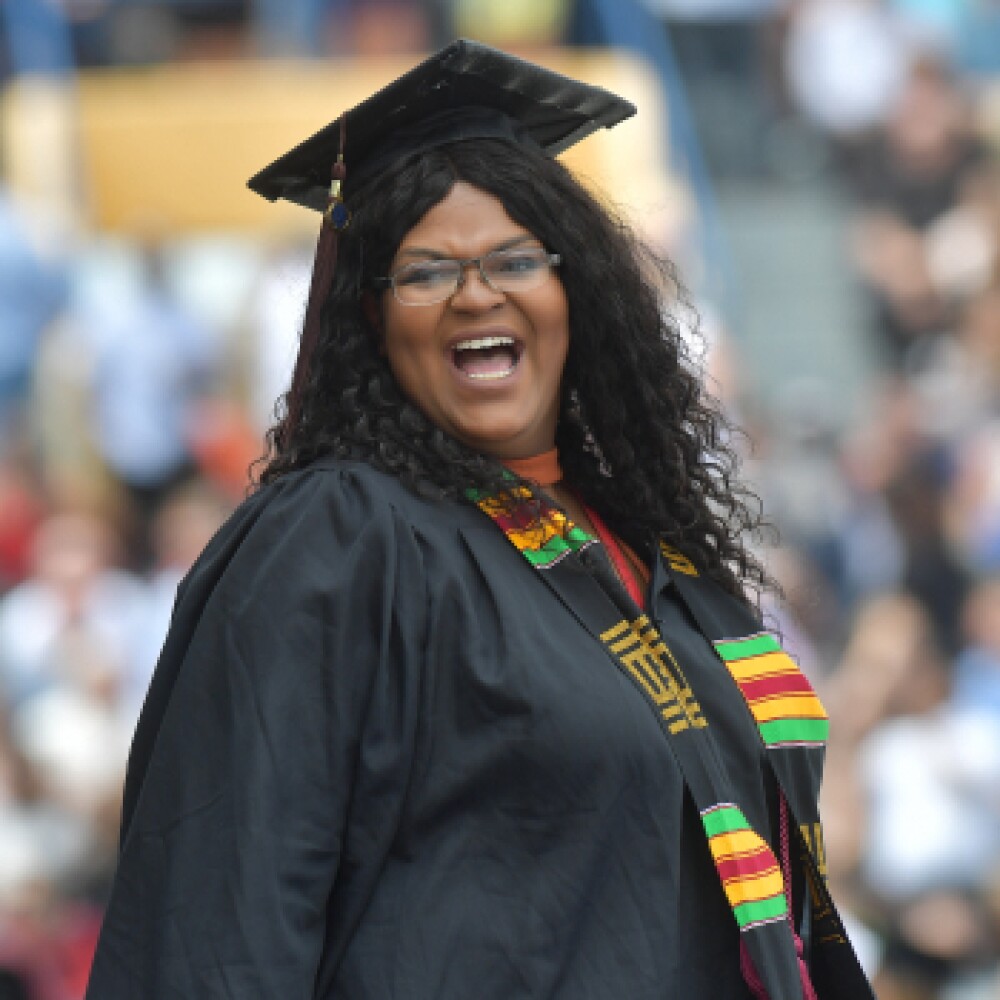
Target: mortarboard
[465, 91]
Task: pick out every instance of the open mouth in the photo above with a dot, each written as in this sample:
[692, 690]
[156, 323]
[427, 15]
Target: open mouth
[486, 358]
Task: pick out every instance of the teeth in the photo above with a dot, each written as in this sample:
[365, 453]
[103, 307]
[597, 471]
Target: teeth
[481, 343]
[486, 376]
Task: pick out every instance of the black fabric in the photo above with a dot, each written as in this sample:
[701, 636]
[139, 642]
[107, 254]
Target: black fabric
[381, 760]
[469, 90]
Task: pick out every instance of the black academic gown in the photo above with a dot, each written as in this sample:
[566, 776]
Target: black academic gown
[381, 760]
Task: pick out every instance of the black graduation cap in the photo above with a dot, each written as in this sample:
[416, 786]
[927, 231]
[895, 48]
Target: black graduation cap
[465, 91]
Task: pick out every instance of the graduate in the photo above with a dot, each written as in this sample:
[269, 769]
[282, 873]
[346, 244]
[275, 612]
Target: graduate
[470, 698]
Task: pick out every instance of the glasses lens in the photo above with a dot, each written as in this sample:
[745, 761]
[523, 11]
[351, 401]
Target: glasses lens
[518, 269]
[426, 281]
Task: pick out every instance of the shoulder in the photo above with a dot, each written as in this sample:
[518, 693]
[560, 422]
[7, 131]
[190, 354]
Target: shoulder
[309, 502]
[330, 513]
[352, 491]
[349, 487]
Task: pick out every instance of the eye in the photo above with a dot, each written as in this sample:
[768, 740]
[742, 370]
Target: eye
[517, 263]
[426, 274]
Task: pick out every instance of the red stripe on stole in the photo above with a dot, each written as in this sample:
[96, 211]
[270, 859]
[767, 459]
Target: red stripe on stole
[747, 866]
[505, 522]
[769, 687]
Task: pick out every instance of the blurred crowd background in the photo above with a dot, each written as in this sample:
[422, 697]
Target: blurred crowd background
[826, 173]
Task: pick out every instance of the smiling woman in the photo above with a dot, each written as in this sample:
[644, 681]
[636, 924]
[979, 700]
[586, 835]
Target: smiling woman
[470, 698]
[485, 364]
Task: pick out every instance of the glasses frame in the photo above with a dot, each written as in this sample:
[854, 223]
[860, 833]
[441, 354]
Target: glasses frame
[389, 281]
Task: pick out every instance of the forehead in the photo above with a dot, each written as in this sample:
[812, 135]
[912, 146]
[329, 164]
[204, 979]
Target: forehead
[466, 221]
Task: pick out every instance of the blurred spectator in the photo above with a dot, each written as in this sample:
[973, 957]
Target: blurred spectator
[907, 180]
[930, 773]
[977, 669]
[48, 927]
[134, 34]
[963, 244]
[151, 364]
[959, 384]
[72, 626]
[21, 512]
[931, 569]
[183, 526]
[295, 27]
[974, 501]
[33, 288]
[342, 27]
[890, 667]
[225, 444]
[845, 63]
[274, 322]
[806, 612]
[908, 474]
[805, 492]
[69, 647]
[723, 52]
[387, 27]
[910, 821]
[957, 392]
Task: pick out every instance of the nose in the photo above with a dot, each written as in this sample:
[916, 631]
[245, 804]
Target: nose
[474, 291]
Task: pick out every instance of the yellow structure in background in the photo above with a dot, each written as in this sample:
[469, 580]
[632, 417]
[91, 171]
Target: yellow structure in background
[169, 149]
[506, 23]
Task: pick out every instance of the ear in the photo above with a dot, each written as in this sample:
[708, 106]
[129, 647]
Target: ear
[371, 309]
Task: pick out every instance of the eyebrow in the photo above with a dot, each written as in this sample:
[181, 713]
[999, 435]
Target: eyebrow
[438, 255]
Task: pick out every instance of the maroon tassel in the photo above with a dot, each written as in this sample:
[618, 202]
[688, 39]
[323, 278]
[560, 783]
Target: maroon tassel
[749, 970]
[335, 218]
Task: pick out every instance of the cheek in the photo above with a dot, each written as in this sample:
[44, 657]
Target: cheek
[403, 333]
[407, 344]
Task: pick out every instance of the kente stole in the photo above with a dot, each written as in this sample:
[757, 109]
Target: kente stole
[789, 717]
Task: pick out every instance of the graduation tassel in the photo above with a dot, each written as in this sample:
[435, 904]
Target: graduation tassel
[336, 217]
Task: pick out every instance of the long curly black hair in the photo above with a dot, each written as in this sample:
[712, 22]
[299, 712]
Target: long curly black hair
[639, 438]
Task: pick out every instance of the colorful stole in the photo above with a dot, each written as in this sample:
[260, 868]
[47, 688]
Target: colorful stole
[793, 728]
[788, 714]
[543, 538]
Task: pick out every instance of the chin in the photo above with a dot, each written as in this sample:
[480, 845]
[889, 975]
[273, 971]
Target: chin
[504, 434]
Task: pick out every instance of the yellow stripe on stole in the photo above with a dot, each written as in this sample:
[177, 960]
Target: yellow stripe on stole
[767, 665]
[734, 844]
[794, 706]
[749, 890]
[536, 537]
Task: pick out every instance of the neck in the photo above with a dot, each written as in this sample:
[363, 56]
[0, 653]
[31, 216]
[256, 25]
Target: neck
[543, 468]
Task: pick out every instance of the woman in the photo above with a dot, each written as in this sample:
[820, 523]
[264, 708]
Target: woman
[445, 709]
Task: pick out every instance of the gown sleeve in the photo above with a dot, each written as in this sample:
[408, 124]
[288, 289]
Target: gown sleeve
[279, 722]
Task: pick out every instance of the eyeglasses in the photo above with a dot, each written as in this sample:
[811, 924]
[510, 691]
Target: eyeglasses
[425, 282]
